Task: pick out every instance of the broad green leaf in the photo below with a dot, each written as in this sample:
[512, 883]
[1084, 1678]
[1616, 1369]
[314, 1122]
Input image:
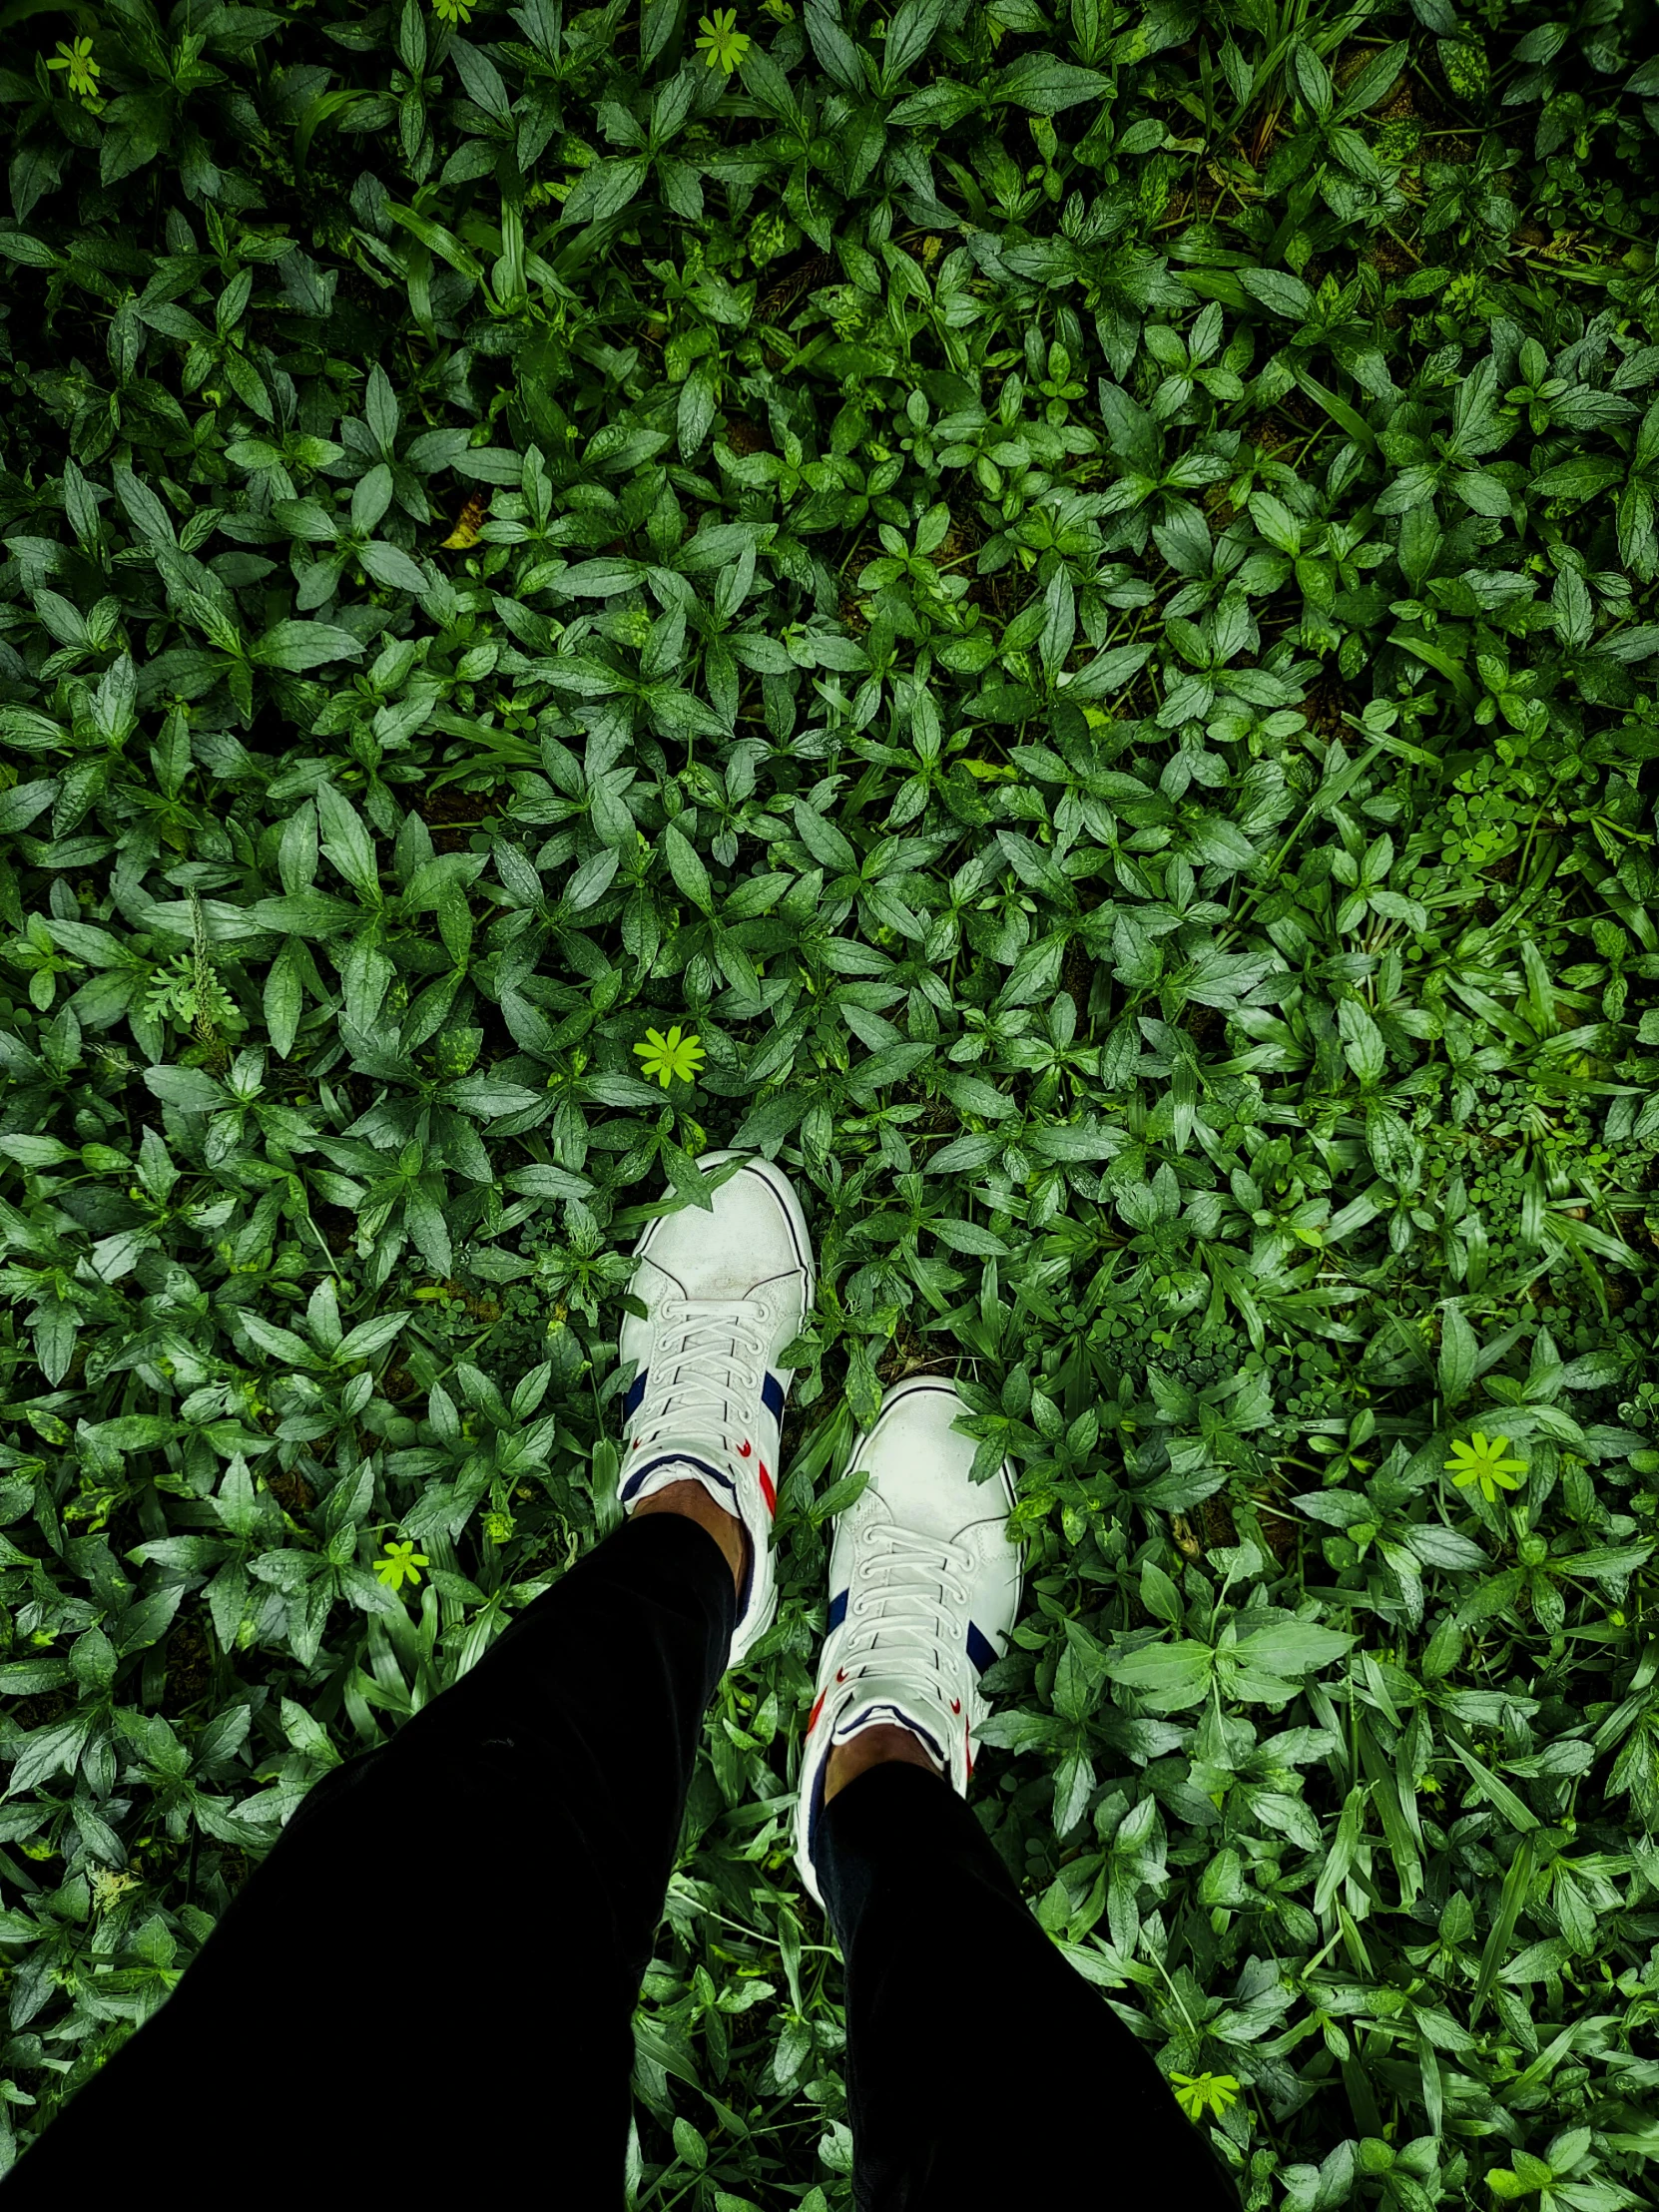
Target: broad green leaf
[279, 1343]
[909, 34]
[1289, 1648]
[1166, 1677]
[486, 1095]
[1363, 1045]
[823, 839]
[1279, 291]
[1045, 85]
[20, 805]
[1458, 1353]
[605, 189]
[686, 868]
[301, 646]
[191, 1091]
[345, 840]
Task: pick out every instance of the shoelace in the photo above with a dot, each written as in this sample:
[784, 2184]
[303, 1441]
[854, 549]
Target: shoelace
[706, 1365]
[909, 1612]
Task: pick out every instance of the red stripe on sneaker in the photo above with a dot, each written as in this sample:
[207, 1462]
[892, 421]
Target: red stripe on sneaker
[817, 1710]
[768, 1493]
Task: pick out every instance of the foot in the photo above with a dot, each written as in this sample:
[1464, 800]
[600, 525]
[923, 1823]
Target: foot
[924, 1589]
[724, 1291]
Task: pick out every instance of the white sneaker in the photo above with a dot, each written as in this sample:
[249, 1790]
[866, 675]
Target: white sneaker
[725, 1291]
[924, 1589]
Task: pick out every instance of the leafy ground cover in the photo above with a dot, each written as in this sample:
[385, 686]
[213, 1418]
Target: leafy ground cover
[1046, 613]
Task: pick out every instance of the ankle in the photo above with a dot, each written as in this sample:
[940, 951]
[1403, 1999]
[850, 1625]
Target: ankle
[874, 1748]
[692, 1501]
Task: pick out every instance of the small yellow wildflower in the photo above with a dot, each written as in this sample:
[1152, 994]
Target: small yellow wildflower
[83, 70]
[722, 45]
[400, 1565]
[1196, 2093]
[670, 1056]
[1481, 1460]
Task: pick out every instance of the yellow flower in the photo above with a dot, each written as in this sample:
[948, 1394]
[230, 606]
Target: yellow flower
[83, 70]
[1481, 1460]
[721, 45]
[1196, 2093]
[670, 1056]
[400, 1565]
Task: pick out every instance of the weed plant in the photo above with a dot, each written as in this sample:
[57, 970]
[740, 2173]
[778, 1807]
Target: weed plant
[1046, 613]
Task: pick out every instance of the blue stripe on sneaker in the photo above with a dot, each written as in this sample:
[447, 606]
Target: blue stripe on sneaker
[838, 1613]
[636, 1393]
[772, 1397]
[679, 1458]
[904, 1720]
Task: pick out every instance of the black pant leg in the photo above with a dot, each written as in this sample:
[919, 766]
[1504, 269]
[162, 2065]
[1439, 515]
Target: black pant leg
[428, 1984]
[972, 2047]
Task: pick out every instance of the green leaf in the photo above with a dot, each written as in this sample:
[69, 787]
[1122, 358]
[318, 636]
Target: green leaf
[686, 868]
[369, 1336]
[1363, 1045]
[1279, 291]
[191, 1091]
[437, 239]
[1043, 84]
[32, 253]
[305, 914]
[698, 404]
[482, 78]
[389, 565]
[301, 645]
[1579, 477]
[20, 805]
[909, 34]
[279, 1343]
[345, 840]
[36, 1152]
[283, 999]
[488, 1096]
[601, 579]
[1288, 1649]
[969, 1237]
[823, 839]
[605, 189]
[548, 1183]
[834, 48]
[1166, 1677]
[1459, 1354]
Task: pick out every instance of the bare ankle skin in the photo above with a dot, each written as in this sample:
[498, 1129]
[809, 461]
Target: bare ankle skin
[875, 1745]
